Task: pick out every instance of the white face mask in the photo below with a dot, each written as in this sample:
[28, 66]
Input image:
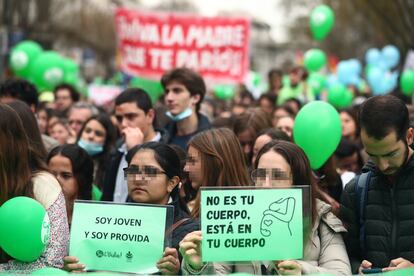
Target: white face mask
[179, 117]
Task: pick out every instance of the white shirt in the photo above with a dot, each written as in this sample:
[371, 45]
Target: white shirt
[121, 185]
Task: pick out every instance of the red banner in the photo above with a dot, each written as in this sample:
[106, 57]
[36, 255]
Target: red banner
[151, 43]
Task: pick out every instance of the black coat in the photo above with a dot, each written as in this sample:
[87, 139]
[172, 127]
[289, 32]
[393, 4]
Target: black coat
[389, 218]
[112, 167]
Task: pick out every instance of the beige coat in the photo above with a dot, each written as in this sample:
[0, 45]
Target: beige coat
[325, 251]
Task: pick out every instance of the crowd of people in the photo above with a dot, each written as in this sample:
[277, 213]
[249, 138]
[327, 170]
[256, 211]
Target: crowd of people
[136, 152]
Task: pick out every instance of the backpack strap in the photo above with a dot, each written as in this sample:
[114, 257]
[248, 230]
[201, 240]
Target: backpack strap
[175, 226]
[361, 190]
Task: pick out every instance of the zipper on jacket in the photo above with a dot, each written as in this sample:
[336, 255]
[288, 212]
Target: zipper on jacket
[394, 224]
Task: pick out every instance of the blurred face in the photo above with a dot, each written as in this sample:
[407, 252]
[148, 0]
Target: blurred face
[193, 167]
[286, 125]
[60, 133]
[258, 145]
[63, 100]
[266, 106]
[94, 132]
[388, 154]
[349, 163]
[61, 167]
[130, 115]
[277, 114]
[348, 125]
[51, 121]
[78, 117]
[246, 139]
[147, 181]
[272, 171]
[178, 98]
[42, 121]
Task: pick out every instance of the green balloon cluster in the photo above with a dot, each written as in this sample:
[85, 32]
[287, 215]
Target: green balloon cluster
[152, 87]
[316, 83]
[317, 130]
[339, 96]
[407, 82]
[25, 228]
[224, 92]
[44, 69]
[321, 22]
[315, 59]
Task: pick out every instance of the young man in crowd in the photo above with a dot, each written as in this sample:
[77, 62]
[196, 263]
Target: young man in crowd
[135, 116]
[184, 92]
[377, 205]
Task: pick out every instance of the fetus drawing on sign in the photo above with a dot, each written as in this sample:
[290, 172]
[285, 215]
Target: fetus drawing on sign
[278, 216]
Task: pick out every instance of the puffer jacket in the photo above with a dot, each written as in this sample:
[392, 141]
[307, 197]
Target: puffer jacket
[389, 218]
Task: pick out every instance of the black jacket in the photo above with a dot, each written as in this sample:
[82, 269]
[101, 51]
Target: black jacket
[182, 141]
[113, 164]
[389, 218]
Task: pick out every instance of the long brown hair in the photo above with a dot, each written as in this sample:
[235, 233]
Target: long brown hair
[299, 166]
[222, 161]
[18, 160]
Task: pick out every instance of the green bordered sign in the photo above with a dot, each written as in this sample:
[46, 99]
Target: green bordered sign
[252, 224]
[119, 237]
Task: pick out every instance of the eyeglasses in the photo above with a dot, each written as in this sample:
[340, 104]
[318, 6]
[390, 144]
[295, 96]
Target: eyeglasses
[261, 174]
[146, 172]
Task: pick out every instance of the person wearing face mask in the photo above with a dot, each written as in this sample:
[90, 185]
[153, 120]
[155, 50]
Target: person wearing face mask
[97, 138]
[184, 92]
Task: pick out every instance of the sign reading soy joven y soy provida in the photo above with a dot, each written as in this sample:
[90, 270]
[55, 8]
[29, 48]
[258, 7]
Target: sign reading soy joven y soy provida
[118, 237]
[251, 224]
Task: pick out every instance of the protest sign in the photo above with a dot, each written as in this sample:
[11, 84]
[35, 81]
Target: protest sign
[119, 237]
[251, 224]
[103, 94]
[151, 43]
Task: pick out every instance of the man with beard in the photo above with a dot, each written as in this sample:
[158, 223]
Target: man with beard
[377, 205]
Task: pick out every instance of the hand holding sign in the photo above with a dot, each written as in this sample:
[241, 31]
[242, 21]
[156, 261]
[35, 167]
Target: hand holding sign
[289, 267]
[190, 248]
[169, 264]
[71, 264]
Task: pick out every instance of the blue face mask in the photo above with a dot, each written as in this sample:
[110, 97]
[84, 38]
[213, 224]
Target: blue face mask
[91, 148]
[179, 117]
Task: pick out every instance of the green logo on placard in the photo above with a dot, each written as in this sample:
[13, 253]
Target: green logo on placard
[129, 256]
[45, 233]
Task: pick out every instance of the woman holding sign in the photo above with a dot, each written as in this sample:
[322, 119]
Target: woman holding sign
[281, 163]
[215, 158]
[24, 173]
[153, 174]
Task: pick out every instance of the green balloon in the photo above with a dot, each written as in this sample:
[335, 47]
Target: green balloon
[315, 59]
[22, 56]
[317, 130]
[316, 82]
[407, 82]
[339, 96]
[25, 228]
[47, 71]
[152, 87]
[224, 92]
[49, 271]
[321, 21]
[71, 71]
